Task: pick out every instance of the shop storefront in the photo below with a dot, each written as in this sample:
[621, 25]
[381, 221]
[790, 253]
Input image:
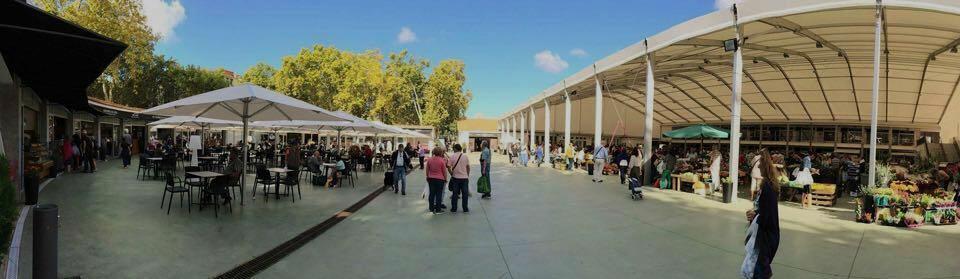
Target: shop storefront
[46, 65]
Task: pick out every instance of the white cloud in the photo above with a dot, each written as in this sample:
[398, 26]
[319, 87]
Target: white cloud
[548, 61]
[163, 17]
[406, 36]
[578, 52]
[725, 4]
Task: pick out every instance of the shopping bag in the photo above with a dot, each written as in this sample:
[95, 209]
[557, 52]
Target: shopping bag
[483, 185]
[426, 191]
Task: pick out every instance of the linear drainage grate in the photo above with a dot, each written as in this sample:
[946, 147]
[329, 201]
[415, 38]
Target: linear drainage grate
[262, 262]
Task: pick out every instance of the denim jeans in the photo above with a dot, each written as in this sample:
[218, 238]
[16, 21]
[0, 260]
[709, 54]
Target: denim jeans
[461, 191]
[400, 178]
[436, 188]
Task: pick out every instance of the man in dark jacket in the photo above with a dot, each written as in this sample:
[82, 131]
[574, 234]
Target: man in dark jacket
[400, 160]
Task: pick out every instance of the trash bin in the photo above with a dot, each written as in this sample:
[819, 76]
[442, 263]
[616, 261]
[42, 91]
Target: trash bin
[46, 225]
[727, 193]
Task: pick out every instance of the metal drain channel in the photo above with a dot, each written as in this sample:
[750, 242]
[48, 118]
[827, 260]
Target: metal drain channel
[264, 261]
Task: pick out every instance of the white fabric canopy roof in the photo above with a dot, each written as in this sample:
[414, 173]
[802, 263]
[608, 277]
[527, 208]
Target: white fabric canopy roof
[805, 61]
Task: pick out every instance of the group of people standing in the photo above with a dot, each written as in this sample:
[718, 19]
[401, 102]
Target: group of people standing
[442, 168]
[81, 151]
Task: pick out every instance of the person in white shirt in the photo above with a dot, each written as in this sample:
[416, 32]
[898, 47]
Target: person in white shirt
[600, 155]
[715, 159]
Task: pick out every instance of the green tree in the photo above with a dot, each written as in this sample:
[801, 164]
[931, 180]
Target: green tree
[122, 20]
[260, 74]
[404, 78]
[445, 99]
[311, 75]
[192, 80]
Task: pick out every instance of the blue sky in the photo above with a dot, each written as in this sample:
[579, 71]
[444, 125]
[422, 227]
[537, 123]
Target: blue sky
[498, 40]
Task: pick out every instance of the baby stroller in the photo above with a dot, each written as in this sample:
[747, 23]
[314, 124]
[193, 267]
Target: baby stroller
[635, 192]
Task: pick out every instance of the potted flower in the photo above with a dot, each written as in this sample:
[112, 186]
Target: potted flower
[912, 220]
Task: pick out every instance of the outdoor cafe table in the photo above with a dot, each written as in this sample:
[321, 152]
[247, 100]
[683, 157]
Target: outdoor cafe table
[155, 163]
[205, 176]
[277, 172]
[328, 166]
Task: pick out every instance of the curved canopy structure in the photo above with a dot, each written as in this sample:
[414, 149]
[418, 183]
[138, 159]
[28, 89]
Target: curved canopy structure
[803, 61]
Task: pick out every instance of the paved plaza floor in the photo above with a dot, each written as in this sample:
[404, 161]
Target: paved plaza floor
[541, 223]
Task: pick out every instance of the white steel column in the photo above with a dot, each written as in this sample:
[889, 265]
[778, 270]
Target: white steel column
[598, 110]
[513, 128]
[546, 131]
[872, 178]
[533, 130]
[566, 118]
[735, 109]
[648, 121]
[523, 128]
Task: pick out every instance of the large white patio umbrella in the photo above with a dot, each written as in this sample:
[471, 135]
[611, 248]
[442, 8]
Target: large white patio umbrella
[245, 103]
[195, 122]
[356, 124]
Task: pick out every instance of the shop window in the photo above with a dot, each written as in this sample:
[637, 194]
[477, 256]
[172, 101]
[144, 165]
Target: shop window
[828, 134]
[30, 126]
[883, 136]
[851, 135]
[804, 134]
[903, 137]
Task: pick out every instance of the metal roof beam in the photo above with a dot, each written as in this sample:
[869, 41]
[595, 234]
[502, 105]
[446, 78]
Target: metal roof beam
[764, 94]
[678, 103]
[702, 69]
[664, 80]
[615, 91]
[780, 22]
[694, 81]
[658, 103]
[790, 83]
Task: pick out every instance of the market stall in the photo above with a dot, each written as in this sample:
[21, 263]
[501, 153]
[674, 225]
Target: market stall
[692, 172]
[910, 200]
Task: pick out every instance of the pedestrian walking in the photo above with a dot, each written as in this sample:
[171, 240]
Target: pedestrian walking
[459, 165]
[436, 168]
[401, 162]
[600, 155]
[763, 234]
[623, 163]
[485, 159]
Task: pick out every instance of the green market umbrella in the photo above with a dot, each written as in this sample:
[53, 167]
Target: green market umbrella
[698, 131]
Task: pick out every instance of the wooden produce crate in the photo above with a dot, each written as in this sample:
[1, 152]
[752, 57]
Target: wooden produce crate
[823, 194]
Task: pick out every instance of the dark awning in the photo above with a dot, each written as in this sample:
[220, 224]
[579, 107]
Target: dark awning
[54, 57]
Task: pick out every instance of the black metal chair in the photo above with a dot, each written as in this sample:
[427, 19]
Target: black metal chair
[216, 189]
[347, 174]
[263, 177]
[175, 186]
[292, 179]
[192, 181]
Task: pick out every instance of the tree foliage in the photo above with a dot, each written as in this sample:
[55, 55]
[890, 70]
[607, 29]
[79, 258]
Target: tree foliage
[367, 85]
[395, 90]
[137, 77]
[446, 101]
[260, 74]
[121, 20]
